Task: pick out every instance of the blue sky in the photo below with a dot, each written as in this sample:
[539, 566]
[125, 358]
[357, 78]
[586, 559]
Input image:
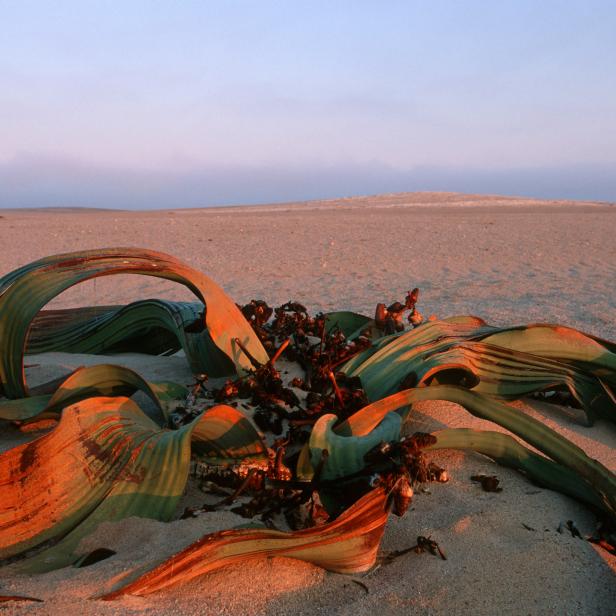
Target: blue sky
[183, 104]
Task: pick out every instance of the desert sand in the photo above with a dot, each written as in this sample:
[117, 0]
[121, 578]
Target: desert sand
[508, 260]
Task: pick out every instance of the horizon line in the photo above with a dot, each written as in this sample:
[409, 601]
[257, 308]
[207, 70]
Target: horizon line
[340, 200]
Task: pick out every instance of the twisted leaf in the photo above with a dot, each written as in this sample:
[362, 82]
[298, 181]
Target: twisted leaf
[509, 374]
[26, 290]
[87, 382]
[349, 544]
[506, 362]
[150, 326]
[383, 366]
[106, 460]
[345, 461]
[346, 453]
[561, 343]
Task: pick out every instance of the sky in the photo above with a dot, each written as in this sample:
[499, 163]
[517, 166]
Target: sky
[156, 104]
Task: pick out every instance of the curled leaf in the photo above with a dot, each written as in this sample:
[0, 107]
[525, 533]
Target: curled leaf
[540, 436]
[26, 290]
[506, 362]
[106, 460]
[349, 544]
[345, 454]
[87, 382]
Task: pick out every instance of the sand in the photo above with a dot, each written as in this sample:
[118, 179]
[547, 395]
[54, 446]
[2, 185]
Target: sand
[508, 260]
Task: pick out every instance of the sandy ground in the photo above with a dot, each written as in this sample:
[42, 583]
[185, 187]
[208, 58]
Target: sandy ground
[507, 260]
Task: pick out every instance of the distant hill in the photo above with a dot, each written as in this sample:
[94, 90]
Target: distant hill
[408, 199]
[385, 200]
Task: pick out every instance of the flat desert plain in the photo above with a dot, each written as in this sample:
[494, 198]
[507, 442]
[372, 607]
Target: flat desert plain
[508, 260]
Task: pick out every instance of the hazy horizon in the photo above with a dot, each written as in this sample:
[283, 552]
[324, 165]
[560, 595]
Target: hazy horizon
[166, 105]
[58, 185]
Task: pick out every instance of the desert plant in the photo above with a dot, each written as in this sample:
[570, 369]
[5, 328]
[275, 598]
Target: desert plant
[345, 445]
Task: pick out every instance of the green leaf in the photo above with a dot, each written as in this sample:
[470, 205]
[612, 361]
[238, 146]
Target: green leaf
[351, 324]
[510, 374]
[346, 453]
[86, 382]
[150, 326]
[560, 343]
[26, 290]
[540, 436]
[382, 367]
[106, 460]
[505, 450]
[464, 351]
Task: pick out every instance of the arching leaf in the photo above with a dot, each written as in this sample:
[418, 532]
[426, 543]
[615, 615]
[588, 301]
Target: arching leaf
[383, 366]
[505, 450]
[149, 326]
[26, 290]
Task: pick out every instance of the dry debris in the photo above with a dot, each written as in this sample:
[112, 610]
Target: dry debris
[489, 483]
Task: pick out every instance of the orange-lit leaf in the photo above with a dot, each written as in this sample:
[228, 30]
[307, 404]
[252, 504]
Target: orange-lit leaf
[86, 382]
[26, 290]
[106, 460]
[349, 544]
